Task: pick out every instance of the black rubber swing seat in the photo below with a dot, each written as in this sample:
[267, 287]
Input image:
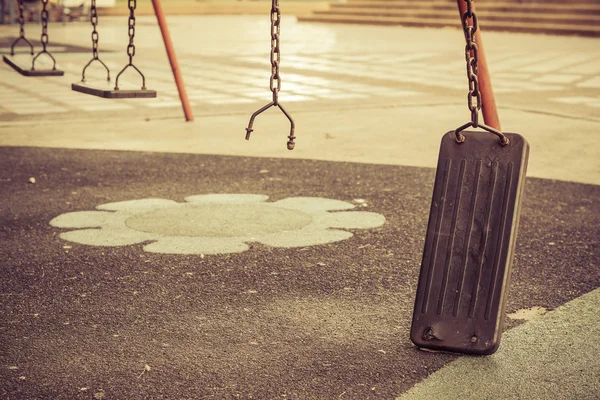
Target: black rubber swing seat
[106, 89]
[470, 242]
[22, 63]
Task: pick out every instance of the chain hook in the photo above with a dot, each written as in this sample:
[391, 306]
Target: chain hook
[275, 80]
[290, 144]
[123, 70]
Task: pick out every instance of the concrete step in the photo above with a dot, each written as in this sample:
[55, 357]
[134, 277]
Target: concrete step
[483, 14]
[514, 26]
[546, 8]
[480, 2]
[581, 17]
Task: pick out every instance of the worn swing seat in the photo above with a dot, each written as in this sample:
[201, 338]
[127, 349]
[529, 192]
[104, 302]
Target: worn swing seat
[109, 90]
[106, 89]
[27, 65]
[470, 241]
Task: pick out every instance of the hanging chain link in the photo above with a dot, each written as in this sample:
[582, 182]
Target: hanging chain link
[131, 47]
[21, 20]
[94, 21]
[21, 31]
[44, 24]
[472, 58]
[275, 83]
[95, 37]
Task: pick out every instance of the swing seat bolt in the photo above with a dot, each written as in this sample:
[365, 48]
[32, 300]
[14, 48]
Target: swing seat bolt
[248, 132]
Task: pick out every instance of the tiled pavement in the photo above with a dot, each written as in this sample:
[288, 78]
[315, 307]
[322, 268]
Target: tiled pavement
[227, 78]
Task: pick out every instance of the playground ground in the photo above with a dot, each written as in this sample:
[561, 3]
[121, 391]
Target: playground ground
[151, 312]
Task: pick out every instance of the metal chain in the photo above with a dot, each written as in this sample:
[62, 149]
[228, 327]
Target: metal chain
[275, 83]
[474, 97]
[44, 39]
[21, 31]
[94, 21]
[21, 19]
[44, 25]
[131, 47]
[95, 37]
[472, 58]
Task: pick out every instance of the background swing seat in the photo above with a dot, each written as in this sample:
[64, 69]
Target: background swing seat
[106, 89]
[22, 64]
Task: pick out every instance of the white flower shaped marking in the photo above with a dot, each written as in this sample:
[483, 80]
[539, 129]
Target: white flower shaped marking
[216, 223]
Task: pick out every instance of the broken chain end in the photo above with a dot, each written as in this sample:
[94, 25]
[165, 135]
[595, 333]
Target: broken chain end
[291, 144]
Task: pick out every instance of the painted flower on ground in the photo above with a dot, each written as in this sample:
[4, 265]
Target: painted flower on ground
[216, 223]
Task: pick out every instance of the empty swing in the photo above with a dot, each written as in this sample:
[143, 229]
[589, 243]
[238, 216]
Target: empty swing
[472, 228]
[275, 83]
[24, 63]
[106, 89]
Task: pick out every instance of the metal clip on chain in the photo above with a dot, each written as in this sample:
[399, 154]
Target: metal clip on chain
[275, 81]
[94, 21]
[44, 39]
[472, 58]
[132, 4]
[21, 31]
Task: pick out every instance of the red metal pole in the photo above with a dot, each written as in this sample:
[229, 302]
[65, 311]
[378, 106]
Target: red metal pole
[489, 110]
[162, 23]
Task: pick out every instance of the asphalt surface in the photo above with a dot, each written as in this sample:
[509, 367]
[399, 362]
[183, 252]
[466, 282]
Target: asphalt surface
[320, 322]
[327, 321]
